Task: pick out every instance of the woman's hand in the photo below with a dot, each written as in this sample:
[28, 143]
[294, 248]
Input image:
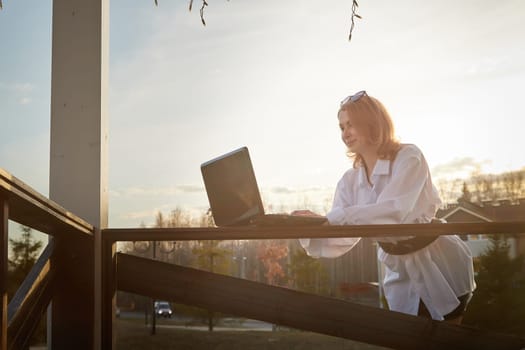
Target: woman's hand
[305, 212]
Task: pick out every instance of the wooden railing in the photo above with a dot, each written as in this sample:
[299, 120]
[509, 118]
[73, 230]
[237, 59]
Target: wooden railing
[277, 305]
[20, 203]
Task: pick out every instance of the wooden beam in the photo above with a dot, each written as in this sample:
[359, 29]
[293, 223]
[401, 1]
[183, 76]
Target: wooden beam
[290, 232]
[4, 216]
[31, 300]
[300, 310]
[30, 208]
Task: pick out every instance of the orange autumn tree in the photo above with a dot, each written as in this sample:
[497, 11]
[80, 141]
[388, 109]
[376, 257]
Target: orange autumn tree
[271, 253]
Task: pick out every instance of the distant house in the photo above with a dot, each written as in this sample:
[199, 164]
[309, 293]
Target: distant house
[355, 267]
[352, 276]
[488, 211]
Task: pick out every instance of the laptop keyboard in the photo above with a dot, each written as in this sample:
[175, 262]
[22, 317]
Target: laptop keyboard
[287, 220]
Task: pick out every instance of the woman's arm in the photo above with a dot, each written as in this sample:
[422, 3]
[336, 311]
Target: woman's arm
[330, 247]
[410, 178]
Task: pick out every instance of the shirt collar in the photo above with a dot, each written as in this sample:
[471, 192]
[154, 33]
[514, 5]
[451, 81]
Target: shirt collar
[382, 167]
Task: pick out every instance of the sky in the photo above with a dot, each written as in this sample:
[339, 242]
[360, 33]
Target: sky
[269, 75]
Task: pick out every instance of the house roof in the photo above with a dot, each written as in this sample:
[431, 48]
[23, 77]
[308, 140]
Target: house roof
[501, 210]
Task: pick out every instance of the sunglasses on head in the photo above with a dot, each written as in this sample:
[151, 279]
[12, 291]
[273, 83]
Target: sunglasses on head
[354, 98]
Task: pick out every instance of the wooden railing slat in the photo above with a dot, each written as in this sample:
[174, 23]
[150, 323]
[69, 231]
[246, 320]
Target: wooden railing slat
[31, 300]
[36, 275]
[299, 310]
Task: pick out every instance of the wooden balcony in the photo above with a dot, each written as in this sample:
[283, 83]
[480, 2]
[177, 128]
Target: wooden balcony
[240, 297]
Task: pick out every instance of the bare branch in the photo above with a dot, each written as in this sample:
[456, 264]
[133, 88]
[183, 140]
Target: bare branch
[204, 4]
[354, 14]
[355, 5]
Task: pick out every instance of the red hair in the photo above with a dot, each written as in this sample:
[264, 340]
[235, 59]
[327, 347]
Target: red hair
[372, 119]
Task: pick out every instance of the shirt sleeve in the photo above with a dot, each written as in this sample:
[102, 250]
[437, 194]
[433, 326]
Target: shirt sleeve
[396, 201]
[328, 247]
[331, 247]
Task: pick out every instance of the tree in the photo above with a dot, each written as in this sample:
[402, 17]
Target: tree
[179, 218]
[25, 251]
[159, 220]
[480, 188]
[498, 303]
[212, 257]
[271, 254]
[308, 274]
[465, 195]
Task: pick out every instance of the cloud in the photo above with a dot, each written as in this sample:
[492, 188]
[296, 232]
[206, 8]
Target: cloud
[286, 199]
[21, 91]
[17, 87]
[24, 100]
[495, 67]
[148, 215]
[137, 215]
[23, 87]
[157, 191]
[296, 190]
[459, 167]
[281, 190]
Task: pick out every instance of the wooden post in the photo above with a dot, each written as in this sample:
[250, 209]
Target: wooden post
[152, 301]
[108, 288]
[98, 283]
[78, 161]
[4, 216]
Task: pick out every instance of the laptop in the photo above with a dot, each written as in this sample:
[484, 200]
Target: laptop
[234, 195]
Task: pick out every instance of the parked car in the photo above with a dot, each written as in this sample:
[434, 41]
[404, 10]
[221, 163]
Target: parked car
[163, 308]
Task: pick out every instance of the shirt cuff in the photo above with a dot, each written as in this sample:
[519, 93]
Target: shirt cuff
[336, 216]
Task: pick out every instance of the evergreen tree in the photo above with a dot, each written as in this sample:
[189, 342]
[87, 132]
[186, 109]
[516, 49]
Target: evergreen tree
[498, 303]
[308, 274]
[465, 195]
[212, 257]
[25, 251]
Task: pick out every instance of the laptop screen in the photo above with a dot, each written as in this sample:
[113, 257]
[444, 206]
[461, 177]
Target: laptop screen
[232, 188]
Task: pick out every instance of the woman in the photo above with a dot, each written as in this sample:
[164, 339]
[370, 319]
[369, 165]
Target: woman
[390, 183]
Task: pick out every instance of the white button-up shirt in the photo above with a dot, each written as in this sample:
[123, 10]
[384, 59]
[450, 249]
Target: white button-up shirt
[401, 192]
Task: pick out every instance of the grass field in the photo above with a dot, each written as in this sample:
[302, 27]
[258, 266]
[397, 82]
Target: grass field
[132, 335]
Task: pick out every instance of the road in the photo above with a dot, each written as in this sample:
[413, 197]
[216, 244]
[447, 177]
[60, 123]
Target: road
[185, 322]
